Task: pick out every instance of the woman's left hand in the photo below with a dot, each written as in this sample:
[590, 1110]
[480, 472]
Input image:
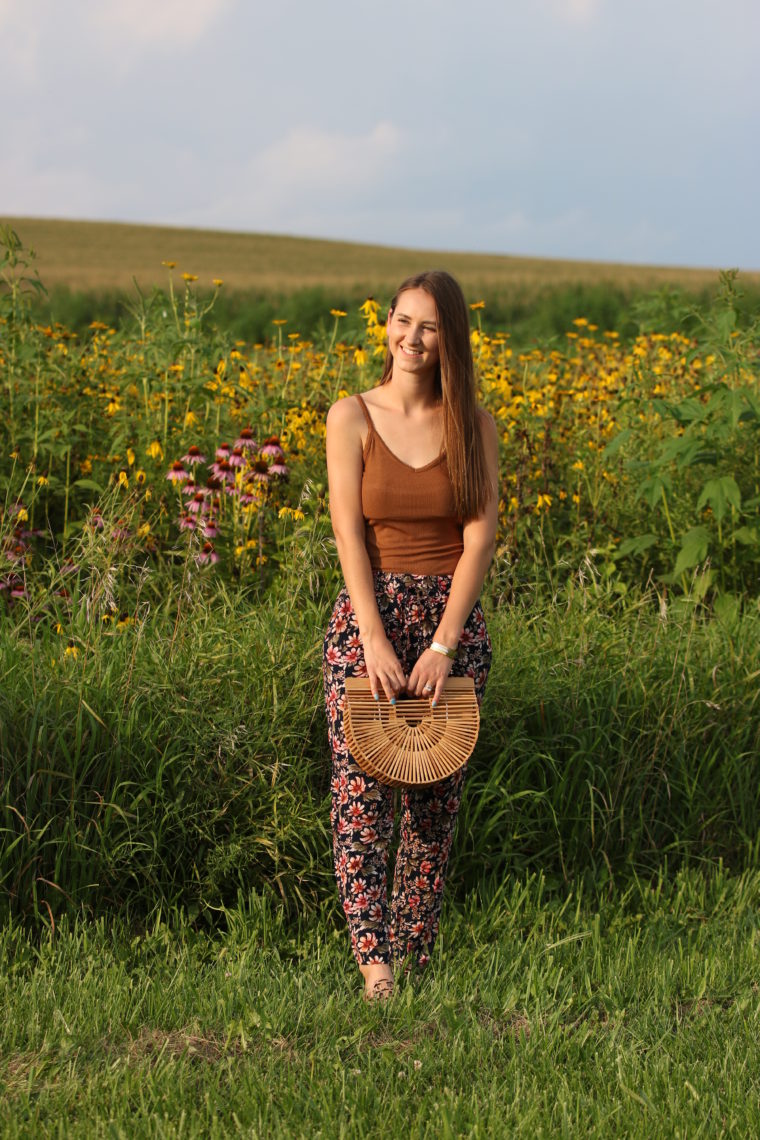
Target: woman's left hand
[429, 675]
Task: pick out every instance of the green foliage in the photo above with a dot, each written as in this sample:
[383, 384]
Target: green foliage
[168, 746]
[531, 316]
[700, 473]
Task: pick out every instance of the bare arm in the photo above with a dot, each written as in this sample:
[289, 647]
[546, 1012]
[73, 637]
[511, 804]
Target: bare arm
[344, 471]
[479, 538]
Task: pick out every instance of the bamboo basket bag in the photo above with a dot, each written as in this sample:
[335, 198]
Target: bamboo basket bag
[411, 743]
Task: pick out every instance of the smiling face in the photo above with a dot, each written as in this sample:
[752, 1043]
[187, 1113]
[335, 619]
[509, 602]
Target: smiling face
[413, 333]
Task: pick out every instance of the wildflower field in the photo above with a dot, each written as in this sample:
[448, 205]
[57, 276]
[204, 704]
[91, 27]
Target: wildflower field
[166, 572]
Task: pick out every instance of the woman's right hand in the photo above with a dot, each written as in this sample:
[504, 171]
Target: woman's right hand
[383, 666]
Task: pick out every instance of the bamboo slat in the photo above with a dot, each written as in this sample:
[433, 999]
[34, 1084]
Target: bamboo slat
[411, 743]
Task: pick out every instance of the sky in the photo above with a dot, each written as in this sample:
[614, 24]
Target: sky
[610, 130]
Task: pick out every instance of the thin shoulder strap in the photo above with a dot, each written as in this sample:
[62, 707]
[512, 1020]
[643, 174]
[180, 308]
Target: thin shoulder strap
[367, 416]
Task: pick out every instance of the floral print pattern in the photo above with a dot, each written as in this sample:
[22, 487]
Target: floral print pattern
[362, 811]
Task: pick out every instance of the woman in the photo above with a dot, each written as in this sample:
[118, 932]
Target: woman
[413, 471]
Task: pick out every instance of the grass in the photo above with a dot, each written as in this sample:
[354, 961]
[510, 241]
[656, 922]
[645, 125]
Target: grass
[97, 256]
[631, 1013]
[183, 758]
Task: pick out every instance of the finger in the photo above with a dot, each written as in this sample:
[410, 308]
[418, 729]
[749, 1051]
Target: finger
[398, 678]
[389, 687]
[438, 692]
[374, 684]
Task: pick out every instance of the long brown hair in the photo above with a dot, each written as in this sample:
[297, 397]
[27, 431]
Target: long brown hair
[455, 380]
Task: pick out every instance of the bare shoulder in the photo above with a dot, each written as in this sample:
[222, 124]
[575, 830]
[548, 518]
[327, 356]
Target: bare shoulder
[345, 416]
[488, 428]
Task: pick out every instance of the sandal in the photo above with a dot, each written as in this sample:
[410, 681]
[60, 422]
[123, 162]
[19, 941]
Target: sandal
[380, 991]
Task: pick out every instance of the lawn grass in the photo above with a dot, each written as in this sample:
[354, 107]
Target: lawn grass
[544, 1014]
[93, 256]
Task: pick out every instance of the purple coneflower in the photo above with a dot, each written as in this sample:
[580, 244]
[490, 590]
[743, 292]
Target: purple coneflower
[260, 471]
[237, 459]
[193, 455]
[197, 504]
[245, 440]
[186, 522]
[223, 471]
[207, 554]
[278, 469]
[177, 473]
[272, 448]
[223, 451]
[210, 529]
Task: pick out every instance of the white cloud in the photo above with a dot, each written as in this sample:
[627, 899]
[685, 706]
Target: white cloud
[308, 172]
[578, 11]
[169, 23]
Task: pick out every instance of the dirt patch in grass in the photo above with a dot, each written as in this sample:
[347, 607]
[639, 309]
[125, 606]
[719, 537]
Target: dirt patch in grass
[154, 1044]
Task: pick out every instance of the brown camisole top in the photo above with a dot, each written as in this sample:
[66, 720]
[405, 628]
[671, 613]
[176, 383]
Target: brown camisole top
[410, 521]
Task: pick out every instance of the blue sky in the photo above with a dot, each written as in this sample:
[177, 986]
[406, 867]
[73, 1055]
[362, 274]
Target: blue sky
[614, 130]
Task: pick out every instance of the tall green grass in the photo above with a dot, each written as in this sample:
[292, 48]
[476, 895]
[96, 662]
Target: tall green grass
[181, 757]
[534, 315]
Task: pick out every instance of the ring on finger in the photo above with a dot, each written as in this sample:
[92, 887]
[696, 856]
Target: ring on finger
[428, 688]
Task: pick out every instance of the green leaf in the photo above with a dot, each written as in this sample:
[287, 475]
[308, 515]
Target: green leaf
[720, 493]
[747, 535]
[685, 449]
[694, 548]
[725, 323]
[614, 446]
[651, 489]
[89, 485]
[635, 545]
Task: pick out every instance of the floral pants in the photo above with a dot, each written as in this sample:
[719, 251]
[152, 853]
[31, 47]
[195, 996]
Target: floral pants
[411, 606]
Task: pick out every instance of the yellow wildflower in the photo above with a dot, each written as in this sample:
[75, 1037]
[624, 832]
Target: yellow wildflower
[370, 308]
[337, 313]
[154, 450]
[189, 276]
[218, 282]
[169, 264]
[130, 457]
